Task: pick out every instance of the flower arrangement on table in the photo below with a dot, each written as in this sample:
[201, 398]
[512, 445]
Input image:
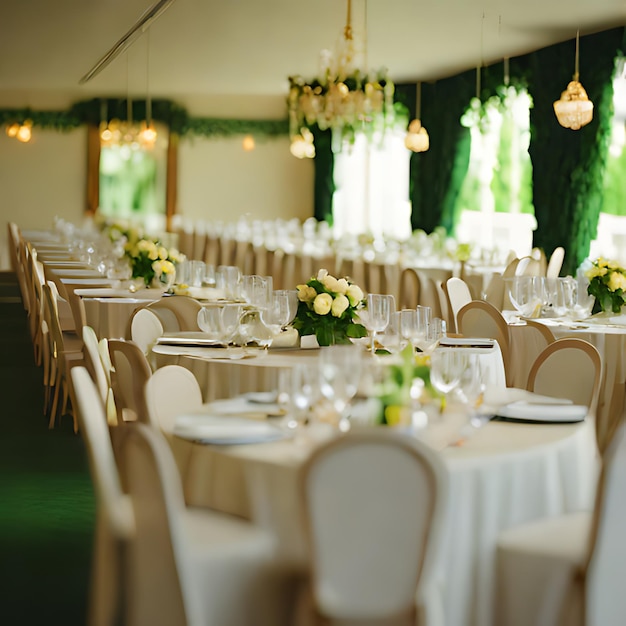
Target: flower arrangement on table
[607, 282]
[153, 262]
[328, 308]
[405, 387]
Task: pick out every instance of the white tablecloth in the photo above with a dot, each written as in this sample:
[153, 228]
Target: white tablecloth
[505, 475]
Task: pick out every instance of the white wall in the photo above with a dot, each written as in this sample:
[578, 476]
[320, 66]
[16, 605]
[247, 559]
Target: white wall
[217, 180]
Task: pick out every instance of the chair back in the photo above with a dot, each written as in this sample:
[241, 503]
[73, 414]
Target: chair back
[94, 362]
[555, 263]
[161, 582]
[605, 601]
[409, 289]
[568, 368]
[373, 549]
[171, 391]
[458, 295]
[429, 295]
[145, 329]
[130, 373]
[481, 319]
[176, 312]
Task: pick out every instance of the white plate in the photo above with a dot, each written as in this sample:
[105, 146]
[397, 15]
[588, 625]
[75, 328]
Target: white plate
[466, 342]
[224, 430]
[543, 412]
[189, 339]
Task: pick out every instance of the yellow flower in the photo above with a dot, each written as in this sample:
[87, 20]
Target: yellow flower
[339, 305]
[322, 274]
[322, 303]
[306, 293]
[354, 295]
[617, 281]
[162, 252]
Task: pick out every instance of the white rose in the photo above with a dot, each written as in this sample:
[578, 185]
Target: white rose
[162, 252]
[342, 286]
[340, 304]
[322, 274]
[322, 303]
[354, 294]
[331, 283]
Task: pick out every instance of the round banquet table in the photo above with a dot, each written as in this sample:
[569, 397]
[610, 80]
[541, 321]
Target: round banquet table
[609, 339]
[506, 474]
[110, 317]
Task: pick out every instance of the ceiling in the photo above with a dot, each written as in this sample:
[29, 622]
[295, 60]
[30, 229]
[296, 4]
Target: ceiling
[219, 48]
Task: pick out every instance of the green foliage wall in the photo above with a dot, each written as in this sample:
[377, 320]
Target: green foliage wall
[569, 166]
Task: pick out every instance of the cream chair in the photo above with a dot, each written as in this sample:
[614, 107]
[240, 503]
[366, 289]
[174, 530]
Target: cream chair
[481, 319]
[129, 376]
[192, 567]
[115, 522]
[176, 312]
[374, 505]
[555, 263]
[569, 570]
[409, 289]
[458, 295]
[568, 368]
[171, 391]
[64, 355]
[145, 329]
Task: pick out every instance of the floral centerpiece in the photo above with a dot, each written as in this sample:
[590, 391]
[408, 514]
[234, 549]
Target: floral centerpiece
[328, 308]
[153, 262]
[406, 385]
[607, 282]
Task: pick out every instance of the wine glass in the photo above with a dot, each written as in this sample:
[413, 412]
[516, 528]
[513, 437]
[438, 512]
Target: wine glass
[523, 294]
[228, 278]
[433, 333]
[300, 385]
[412, 326]
[340, 370]
[210, 322]
[379, 308]
[391, 338]
[276, 314]
[292, 299]
[446, 368]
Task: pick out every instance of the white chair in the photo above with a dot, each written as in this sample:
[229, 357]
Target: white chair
[115, 524]
[555, 263]
[171, 391]
[176, 313]
[569, 570]
[374, 505]
[145, 329]
[458, 295]
[568, 368]
[192, 567]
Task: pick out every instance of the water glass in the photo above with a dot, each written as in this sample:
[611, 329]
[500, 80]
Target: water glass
[227, 278]
[447, 365]
[379, 309]
[340, 371]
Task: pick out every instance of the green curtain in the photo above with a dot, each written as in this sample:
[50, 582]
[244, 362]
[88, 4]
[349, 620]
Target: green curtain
[436, 175]
[568, 166]
[324, 182]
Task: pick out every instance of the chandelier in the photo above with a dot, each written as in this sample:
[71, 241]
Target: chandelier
[574, 109]
[342, 98]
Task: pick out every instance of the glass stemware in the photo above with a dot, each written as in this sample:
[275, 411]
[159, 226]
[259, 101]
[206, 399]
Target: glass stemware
[340, 371]
[292, 300]
[379, 309]
[446, 368]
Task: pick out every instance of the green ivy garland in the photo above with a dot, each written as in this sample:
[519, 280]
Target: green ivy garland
[173, 115]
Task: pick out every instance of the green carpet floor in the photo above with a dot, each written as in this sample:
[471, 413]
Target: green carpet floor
[46, 495]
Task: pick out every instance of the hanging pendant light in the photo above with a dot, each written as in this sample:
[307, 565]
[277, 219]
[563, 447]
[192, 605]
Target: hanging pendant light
[344, 98]
[148, 135]
[574, 109]
[417, 138]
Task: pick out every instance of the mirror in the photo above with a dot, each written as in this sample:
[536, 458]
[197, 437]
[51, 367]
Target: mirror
[133, 183]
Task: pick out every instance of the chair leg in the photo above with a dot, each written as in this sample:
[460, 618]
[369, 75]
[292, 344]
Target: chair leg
[55, 402]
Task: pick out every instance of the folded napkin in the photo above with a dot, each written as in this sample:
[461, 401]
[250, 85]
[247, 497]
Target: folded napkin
[466, 342]
[190, 338]
[288, 338]
[140, 294]
[200, 293]
[543, 412]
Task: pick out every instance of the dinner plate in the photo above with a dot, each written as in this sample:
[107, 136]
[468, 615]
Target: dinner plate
[466, 342]
[550, 413]
[224, 430]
